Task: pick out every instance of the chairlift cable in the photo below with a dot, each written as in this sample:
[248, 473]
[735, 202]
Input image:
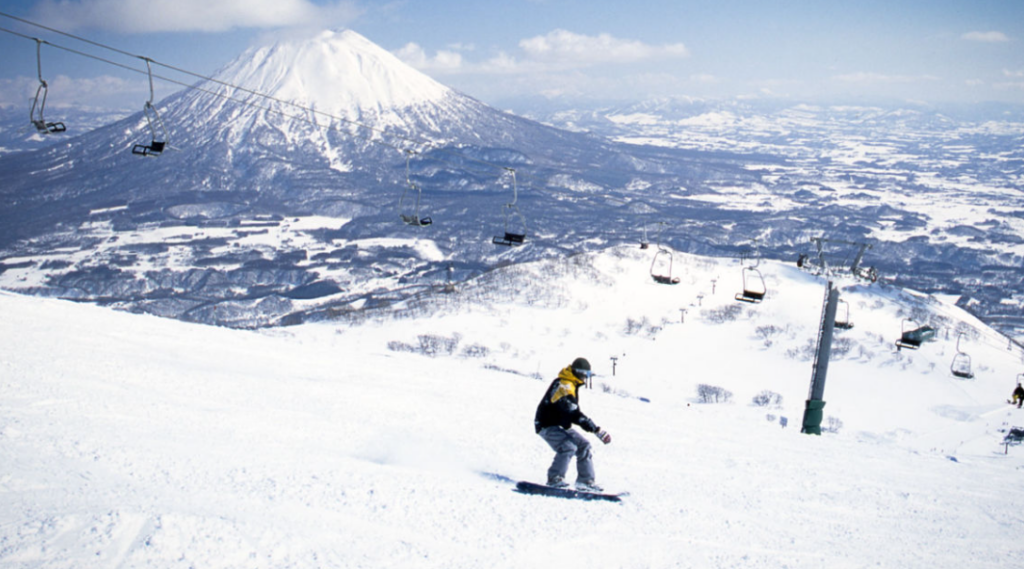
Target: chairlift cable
[460, 161]
[155, 149]
[416, 141]
[196, 75]
[419, 142]
[204, 90]
[511, 209]
[196, 87]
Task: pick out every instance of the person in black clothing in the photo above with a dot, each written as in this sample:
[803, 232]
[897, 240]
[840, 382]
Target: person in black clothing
[1018, 395]
[557, 412]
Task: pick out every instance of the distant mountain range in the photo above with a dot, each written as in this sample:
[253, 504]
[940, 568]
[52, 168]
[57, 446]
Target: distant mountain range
[266, 209]
[937, 192]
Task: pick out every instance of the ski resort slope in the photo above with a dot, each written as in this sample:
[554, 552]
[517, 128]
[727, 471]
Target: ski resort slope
[132, 441]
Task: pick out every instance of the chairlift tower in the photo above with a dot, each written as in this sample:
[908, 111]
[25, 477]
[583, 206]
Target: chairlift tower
[813, 411]
[815, 398]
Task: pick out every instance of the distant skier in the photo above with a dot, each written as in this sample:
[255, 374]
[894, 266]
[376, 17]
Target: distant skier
[556, 414]
[1018, 395]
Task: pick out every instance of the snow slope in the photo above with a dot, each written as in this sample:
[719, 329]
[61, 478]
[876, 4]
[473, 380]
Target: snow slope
[133, 441]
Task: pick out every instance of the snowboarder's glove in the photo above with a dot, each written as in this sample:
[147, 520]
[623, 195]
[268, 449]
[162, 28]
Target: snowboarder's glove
[604, 436]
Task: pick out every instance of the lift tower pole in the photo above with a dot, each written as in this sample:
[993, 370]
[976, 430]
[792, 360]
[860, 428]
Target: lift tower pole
[815, 399]
[815, 403]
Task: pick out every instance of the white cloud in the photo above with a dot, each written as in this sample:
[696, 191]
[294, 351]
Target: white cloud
[503, 63]
[558, 64]
[558, 51]
[1013, 74]
[451, 62]
[562, 47]
[141, 16]
[987, 37]
[443, 61]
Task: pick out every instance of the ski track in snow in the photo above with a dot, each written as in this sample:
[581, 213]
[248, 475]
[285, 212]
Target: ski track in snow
[132, 441]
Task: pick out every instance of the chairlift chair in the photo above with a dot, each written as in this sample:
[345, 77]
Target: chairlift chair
[869, 274]
[912, 338]
[844, 322]
[659, 277]
[961, 364]
[1018, 381]
[820, 266]
[412, 218]
[39, 103]
[159, 143]
[752, 293]
[644, 243]
[511, 238]
[667, 277]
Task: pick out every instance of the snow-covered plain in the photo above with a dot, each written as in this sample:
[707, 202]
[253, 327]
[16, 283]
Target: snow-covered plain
[133, 441]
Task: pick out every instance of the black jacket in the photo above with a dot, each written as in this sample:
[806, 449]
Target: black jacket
[560, 406]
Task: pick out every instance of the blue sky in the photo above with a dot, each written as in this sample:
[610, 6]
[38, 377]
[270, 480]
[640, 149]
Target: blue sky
[822, 51]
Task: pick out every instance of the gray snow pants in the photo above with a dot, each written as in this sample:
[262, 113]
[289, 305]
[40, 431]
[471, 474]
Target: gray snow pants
[566, 443]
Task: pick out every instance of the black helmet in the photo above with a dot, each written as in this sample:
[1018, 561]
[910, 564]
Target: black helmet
[581, 368]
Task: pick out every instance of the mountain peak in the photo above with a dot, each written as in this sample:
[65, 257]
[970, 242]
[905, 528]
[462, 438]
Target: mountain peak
[339, 72]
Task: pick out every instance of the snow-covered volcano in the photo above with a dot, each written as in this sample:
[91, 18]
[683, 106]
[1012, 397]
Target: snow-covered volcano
[336, 89]
[336, 72]
[308, 125]
[331, 130]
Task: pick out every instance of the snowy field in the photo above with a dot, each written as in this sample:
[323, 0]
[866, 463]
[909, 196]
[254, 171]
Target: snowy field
[133, 441]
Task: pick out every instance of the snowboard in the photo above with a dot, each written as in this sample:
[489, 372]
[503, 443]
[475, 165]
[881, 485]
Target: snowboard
[524, 487]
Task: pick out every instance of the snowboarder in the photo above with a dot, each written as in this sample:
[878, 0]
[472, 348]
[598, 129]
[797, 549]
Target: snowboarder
[1018, 395]
[556, 414]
